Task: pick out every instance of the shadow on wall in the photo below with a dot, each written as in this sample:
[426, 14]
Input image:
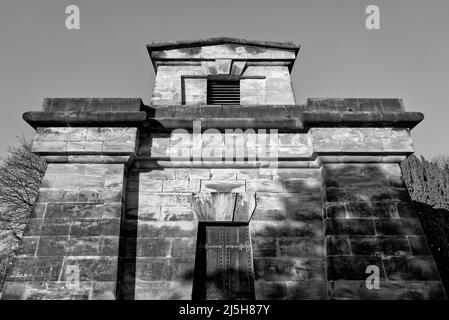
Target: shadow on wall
[287, 244]
[126, 282]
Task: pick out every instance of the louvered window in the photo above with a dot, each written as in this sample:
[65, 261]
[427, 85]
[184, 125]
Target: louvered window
[223, 91]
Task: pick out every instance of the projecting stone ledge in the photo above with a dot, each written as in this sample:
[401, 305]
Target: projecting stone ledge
[85, 119]
[302, 122]
[91, 104]
[127, 112]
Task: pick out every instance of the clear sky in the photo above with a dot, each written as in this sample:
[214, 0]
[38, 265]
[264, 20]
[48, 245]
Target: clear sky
[407, 58]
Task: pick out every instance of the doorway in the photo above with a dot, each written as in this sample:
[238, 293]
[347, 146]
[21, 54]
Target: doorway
[223, 263]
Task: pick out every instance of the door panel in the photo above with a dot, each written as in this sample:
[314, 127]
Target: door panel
[225, 268]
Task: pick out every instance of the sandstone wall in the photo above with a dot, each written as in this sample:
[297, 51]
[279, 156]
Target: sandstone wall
[370, 221]
[70, 249]
[73, 232]
[286, 227]
[181, 76]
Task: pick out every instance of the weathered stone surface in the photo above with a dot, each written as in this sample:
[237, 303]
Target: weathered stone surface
[147, 229]
[389, 290]
[352, 268]
[279, 229]
[291, 269]
[373, 140]
[333, 203]
[350, 227]
[268, 290]
[91, 104]
[163, 290]
[223, 186]
[398, 227]
[411, 268]
[389, 246]
[306, 290]
[338, 245]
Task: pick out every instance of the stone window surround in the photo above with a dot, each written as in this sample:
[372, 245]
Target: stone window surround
[214, 77]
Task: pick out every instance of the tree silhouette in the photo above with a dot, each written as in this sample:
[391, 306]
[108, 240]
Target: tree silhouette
[21, 173]
[428, 184]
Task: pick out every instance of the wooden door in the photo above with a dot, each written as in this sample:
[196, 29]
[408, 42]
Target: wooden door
[224, 268]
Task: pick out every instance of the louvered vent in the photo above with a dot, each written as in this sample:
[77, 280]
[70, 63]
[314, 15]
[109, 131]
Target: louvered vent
[223, 92]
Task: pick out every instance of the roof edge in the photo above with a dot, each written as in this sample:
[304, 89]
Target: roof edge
[176, 44]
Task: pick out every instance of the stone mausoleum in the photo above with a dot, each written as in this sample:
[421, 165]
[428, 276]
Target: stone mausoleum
[223, 187]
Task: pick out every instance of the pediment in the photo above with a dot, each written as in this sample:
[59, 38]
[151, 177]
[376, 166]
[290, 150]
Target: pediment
[223, 48]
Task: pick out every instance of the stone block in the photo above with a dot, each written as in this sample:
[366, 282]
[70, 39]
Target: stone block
[352, 268]
[56, 195]
[111, 210]
[389, 290]
[255, 174]
[165, 199]
[83, 146]
[28, 246]
[406, 210]
[336, 210]
[181, 213]
[116, 135]
[149, 185]
[60, 134]
[388, 246]
[103, 269]
[119, 147]
[38, 210]
[419, 246]
[280, 229]
[49, 146]
[264, 247]
[337, 245]
[306, 290]
[223, 186]
[109, 246]
[149, 247]
[350, 227]
[150, 229]
[264, 185]
[103, 291]
[268, 290]
[301, 247]
[199, 174]
[150, 213]
[153, 269]
[53, 246]
[183, 247]
[74, 210]
[163, 290]
[289, 269]
[180, 186]
[223, 174]
[372, 210]
[83, 246]
[36, 269]
[159, 174]
[77, 181]
[398, 227]
[411, 268]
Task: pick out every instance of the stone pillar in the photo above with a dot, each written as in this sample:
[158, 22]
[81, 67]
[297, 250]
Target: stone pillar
[369, 216]
[70, 248]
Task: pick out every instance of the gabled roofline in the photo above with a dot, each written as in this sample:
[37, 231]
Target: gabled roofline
[167, 45]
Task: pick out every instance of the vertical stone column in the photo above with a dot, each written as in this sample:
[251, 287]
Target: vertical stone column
[370, 220]
[369, 217]
[70, 247]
